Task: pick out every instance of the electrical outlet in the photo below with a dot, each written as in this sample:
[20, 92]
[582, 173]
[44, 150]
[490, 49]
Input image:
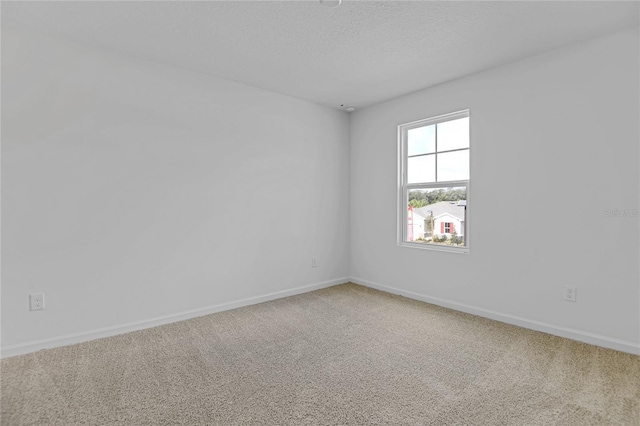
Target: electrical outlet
[314, 262]
[570, 293]
[36, 302]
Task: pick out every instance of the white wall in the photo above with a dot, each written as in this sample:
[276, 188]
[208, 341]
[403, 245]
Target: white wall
[122, 181]
[557, 133]
[125, 185]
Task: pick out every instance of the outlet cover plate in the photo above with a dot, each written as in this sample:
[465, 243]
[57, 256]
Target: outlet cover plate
[570, 293]
[36, 302]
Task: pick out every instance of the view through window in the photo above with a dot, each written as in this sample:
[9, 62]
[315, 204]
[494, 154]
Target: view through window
[434, 163]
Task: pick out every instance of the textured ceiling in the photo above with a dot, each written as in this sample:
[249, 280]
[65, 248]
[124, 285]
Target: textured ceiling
[360, 53]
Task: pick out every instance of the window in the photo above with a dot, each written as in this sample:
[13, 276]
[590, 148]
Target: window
[434, 177]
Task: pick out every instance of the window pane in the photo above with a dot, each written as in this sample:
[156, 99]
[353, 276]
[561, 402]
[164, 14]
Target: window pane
[437, 216]
[421, 169]
[453, 166]
[421, 140]
[453, 134]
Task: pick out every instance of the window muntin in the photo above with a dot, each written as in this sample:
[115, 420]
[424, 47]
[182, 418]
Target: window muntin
[434, 182]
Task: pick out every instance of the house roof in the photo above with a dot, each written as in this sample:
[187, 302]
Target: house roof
[444, 207]
[417, 212]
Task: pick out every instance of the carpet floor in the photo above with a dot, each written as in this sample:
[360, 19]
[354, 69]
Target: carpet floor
[346, 355]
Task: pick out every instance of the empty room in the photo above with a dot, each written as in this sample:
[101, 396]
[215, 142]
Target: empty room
[320, 212]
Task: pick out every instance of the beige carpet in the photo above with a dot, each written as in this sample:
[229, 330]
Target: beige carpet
[346, 355]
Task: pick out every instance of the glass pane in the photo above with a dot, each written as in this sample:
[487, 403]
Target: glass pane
[421, 169]
[453, 166]
[437, 216]
[453, 134]
[421, 140]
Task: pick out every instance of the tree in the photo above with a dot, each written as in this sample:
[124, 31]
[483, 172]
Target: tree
[417, 203]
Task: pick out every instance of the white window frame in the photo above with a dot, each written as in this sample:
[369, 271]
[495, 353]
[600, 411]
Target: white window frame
[404, 187]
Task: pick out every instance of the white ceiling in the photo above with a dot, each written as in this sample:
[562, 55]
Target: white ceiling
[360, 53]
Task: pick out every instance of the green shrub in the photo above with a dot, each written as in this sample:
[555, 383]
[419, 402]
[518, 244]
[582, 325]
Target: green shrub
[455, 239]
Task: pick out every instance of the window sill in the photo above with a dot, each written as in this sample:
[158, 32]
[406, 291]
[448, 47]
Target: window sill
[434, 247]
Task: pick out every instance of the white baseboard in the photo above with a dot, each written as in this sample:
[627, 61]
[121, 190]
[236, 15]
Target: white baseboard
[581, 336]
[70, 339]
